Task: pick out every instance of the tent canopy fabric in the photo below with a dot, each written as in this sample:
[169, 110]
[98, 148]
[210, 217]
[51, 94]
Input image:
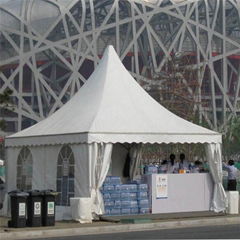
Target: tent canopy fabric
[112, 107]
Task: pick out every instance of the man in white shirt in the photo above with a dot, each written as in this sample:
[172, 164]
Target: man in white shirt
[172, 166]
[232, 175]
[183, 164]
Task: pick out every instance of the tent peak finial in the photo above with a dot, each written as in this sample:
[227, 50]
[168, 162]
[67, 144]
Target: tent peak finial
[110, 48]
[111, 54]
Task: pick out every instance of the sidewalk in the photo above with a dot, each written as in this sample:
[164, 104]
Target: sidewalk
[119, 224]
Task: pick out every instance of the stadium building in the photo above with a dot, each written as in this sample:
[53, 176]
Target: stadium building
[49, 48]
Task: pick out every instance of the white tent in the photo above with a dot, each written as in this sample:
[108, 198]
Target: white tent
[110, 108]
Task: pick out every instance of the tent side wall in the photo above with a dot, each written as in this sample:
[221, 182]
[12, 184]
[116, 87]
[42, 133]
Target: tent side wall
[11, 167]
[44, 168]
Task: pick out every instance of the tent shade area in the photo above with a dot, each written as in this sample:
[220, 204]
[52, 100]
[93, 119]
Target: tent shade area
[74, 146]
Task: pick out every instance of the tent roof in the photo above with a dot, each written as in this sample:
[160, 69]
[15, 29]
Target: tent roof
[112, 107]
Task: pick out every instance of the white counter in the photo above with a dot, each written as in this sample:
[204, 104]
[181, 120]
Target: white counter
[184, 193]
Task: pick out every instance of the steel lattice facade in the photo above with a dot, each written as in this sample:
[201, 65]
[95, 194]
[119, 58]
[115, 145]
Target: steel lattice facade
[49, 48]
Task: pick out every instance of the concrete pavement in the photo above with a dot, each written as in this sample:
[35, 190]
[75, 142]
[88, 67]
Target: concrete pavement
[116, 224]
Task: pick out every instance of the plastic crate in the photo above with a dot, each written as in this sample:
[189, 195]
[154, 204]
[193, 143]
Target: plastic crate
[143, 187]
[117, 204]
[107, 180]
[107, 211]
[108, 188]
[108, 203]
[144, 210]
[125, 188]
[133, 204]
[115, 211]
[142, 195]
[125, 203]
[115, 196]
[133, 187]
[150, 169]
[106, 196]
[118, 187]
[129, 188]
[134, 210]
[126, 211]
[129, 196]
[115, 180]
[143, 203]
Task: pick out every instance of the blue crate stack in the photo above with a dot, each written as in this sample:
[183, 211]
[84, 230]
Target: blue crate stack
[150, 169]
[124, 199]
[143, 199]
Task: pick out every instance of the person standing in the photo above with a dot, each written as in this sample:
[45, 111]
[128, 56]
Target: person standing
[183, 164]
[232, 175]
[172, 166]
[197, 167]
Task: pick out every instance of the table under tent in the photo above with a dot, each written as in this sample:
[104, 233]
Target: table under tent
[71, 150]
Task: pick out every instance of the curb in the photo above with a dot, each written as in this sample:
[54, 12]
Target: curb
[118, 228]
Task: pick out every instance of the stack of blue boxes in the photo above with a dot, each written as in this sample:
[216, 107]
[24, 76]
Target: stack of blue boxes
[124, 199]
[151, 169]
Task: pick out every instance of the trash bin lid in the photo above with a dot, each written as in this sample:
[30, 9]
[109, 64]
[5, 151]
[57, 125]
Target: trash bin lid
[18, 193]
[35, 193]
[50, 192]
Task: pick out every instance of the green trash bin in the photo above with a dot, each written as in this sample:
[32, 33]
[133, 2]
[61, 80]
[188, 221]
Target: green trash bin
[48, 208]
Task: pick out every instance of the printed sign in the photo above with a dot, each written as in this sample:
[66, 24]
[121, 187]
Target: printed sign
[161, 186]
[37, 208]
[22, 209]
[50, 210]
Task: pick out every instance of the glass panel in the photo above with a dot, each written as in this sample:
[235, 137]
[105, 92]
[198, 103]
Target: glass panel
[29, 170]
[71, 171]
[65, 175]
[24, 170]
[59, 159]
[71, 195]
[18, 185]
[71, 159]
[19, 161]
[68, 152]
[58, 199]
[59, 172]
[59, 185]
[19, 171]
[23, 181]
[64, 201]
[71, 186]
